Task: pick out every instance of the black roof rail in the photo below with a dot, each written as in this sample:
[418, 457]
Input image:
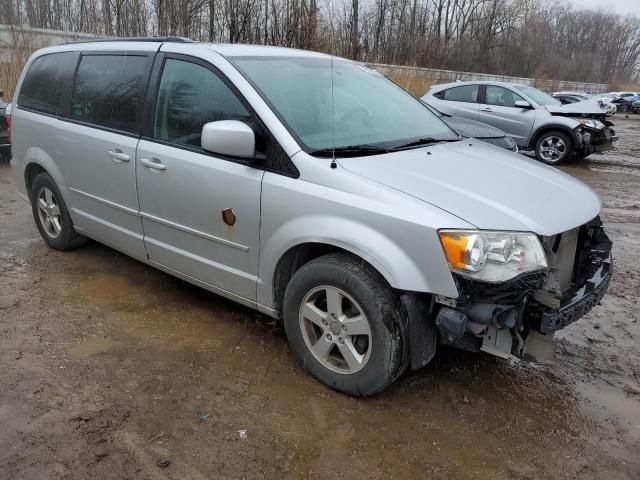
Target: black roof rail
[137, 39]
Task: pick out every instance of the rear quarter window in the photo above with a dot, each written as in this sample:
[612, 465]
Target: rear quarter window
[43, 85]
[465, 93]
[109, 91]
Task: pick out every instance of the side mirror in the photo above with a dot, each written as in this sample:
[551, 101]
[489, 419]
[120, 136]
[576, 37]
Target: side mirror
[229, 137]
[522, 104]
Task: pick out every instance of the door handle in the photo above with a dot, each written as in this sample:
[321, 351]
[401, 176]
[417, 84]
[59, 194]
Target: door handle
[486, 110]
[118, 156]
[153, 164]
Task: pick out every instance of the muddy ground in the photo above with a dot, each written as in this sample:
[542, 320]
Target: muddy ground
[108, 366]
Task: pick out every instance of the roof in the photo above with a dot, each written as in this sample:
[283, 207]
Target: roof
[569, 92]
[442, 86]
[137, 39]
[242, 50]
[225, 49]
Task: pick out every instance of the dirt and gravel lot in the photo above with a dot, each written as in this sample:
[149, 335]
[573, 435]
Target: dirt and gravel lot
[108, 366]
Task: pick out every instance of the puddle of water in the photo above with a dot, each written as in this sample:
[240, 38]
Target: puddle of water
[614, 402]
[604, 402]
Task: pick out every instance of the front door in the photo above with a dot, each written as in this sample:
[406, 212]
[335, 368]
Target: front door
[498, 109]
[200, 212]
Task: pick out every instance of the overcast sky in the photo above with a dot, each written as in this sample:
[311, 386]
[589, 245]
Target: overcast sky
[614, 6]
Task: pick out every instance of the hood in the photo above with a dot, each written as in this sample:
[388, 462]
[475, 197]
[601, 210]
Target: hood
[472, 128]
[591, 106]
[484, 185]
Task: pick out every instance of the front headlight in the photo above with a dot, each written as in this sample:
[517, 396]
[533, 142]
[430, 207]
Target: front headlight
[492, 256]
[589, 122]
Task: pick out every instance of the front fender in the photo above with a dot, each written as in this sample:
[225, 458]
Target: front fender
[393, 231]
[398, 268]
[567, 125]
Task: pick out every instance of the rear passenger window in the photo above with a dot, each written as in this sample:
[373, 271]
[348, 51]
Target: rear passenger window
[109, 91]
[189, 96]
[45, 80]
[465, 93]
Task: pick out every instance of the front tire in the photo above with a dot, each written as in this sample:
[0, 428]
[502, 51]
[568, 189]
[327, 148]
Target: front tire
[51, 215]
[345, 324]
[554, 148]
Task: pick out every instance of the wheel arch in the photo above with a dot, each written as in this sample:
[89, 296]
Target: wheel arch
[281, 257]
[38, 161]
[552, 128]
[32, 170]
[299, 255]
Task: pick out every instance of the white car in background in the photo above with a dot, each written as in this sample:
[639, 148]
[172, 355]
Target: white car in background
[603, 100]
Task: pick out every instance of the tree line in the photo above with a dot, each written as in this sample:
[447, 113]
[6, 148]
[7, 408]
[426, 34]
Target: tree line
[532, 38]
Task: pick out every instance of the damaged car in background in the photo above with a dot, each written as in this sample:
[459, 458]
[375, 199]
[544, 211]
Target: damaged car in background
[604, 102]
[556, 133]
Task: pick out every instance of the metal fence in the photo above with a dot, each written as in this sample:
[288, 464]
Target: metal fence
[434, 76]
[23, 37]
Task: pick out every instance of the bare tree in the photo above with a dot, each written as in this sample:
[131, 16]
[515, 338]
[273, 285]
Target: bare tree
[542, 38]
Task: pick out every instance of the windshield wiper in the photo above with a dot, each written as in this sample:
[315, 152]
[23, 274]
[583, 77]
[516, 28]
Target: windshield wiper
[350, 151]
[424, 141]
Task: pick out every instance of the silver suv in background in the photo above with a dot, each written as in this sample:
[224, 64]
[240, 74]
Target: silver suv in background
[538, 122]
[312, 189]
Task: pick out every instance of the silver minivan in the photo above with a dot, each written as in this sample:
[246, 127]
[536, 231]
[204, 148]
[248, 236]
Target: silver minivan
[312, 189]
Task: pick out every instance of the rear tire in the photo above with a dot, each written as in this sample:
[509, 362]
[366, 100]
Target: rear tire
[554, 148]
[345, 324]
[51, 215]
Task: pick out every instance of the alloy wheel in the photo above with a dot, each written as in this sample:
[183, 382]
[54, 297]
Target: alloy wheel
[49, 213]
[335, 329]
[553, 149]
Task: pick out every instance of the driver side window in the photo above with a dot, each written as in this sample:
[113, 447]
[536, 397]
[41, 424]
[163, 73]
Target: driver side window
[501, 97]
[189, 96]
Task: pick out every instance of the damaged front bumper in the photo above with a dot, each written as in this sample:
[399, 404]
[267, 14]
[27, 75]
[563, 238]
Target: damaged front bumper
[506, 319]
[591, 140]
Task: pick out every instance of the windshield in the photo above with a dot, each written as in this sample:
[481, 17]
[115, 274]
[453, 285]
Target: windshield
[538, 96]
[353, 107]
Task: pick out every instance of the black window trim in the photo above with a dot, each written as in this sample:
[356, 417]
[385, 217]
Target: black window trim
[148, 117]
[123, 53]
[482, 92]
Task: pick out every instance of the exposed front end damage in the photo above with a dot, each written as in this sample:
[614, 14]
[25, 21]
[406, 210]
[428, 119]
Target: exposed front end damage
[518, 318]
[595, 134]
[594, 140]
